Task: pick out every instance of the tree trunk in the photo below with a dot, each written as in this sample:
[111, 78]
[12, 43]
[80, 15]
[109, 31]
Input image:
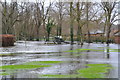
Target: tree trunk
[87, 22]
[71, 22]
[37, 34]
[57, 31]
[79, 32]
[45, 32]
[48, 35]
[108, 30]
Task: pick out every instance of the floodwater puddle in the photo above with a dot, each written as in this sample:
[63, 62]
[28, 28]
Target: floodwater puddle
[42, 62]
[114, 50]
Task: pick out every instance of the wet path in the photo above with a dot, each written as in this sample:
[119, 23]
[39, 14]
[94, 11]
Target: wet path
[71, 61]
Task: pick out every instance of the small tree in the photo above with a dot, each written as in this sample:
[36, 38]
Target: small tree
[50, 24]
[45, 12]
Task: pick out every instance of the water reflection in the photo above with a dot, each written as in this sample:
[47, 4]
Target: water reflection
[108, 52]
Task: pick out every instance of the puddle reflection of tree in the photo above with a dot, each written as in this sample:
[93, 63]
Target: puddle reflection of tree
[71, 61]
[78, 57]
[87, 55]
[4, 77]
[108, 52]
[60, 65]
[75, 59]
[12, 77]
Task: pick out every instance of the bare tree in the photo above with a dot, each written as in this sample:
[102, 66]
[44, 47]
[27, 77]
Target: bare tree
[110, 16]
[60, 9]
[50, 24]
[87, 21]
[38, 19]
[91, 13]
[10, 17]
[79, 32]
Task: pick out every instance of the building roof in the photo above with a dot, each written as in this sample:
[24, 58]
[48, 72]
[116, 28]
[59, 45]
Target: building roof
[117, 34]
[96, 32]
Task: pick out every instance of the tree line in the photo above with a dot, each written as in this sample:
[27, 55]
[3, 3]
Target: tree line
[35, 20]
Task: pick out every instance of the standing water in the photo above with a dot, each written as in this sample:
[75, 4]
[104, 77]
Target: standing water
[32, 59]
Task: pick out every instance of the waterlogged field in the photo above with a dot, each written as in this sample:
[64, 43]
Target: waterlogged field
[39, 60]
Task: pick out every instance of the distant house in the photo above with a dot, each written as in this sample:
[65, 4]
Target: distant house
[97, 33]
[117, 37]
[116, 34]
[114, 29]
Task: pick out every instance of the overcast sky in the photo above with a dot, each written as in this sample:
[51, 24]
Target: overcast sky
[60, 0]
[48, 1]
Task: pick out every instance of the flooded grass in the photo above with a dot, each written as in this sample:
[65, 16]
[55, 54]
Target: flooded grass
[78, 54]
[83, 50]
[4, 73]
[41, 62]
[60, 76]
[3, 55]
[28, 65]
[114, 50]
[16, 67]
[93, 71]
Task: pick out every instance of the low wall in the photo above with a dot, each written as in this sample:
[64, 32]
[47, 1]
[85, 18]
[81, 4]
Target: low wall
[7, 40]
